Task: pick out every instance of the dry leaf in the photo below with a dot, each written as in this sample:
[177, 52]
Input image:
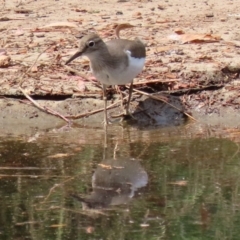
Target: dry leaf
[162, 21]
[60, 25]
[179, 183]
[59, 155]
[195, 38]
[144, 225]
[162, 49]
[90, 229]
[58, 225]
[118, 167]
[105, 166]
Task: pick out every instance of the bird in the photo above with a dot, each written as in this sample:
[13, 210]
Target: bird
[114, 62]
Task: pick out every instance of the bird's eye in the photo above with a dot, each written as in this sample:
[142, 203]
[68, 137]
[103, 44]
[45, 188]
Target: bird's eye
[91, 43]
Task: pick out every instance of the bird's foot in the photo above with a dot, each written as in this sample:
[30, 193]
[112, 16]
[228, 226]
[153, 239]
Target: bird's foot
[107, 121]
[124, 115]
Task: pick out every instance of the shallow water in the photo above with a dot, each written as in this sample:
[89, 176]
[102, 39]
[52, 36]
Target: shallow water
[170, 183]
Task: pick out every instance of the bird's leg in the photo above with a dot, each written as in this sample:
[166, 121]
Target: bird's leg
[129, 99]
[105, 120]
[126, 112]
[105, 140]
[120, 93]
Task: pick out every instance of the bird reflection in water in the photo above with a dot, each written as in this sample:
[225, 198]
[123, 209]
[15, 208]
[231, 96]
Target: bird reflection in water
[114, 182]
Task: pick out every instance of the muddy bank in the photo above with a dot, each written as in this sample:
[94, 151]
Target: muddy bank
[19, 119]
[192, 62]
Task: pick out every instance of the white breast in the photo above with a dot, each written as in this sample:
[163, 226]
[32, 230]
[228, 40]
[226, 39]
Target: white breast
[121, 75]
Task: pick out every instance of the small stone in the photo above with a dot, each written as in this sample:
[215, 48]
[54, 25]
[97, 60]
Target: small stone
[34, 69]
[137, 15]
[19, 32]
[209, 15]
[4, 61]
[233, 67]
[30, 34]
[3, 51]
[105, 17]
[161, 7]
[119, 13]
[40, 35]
[179, 31]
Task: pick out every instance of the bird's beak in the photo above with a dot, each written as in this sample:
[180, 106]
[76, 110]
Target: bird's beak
[77, 54]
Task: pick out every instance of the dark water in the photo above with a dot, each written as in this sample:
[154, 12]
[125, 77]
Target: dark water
[147, 184]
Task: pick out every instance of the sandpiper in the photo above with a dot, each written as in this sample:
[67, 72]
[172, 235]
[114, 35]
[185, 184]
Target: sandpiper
[115, 62]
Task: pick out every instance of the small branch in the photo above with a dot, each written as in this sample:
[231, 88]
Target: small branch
[56, 186]
[29, 176]
[44, 109]
[86, 114]
[120, 27]
[70, 69]
[192, 90]
[21, 78]
[155, 81]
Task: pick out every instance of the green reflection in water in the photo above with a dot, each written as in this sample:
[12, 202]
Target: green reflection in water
[192, 190]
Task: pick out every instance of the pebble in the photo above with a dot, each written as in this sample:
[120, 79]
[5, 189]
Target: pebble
[30, 34]
[105, 17]
[209, 15]
[137, 15]
[39, 35]
[4, 61]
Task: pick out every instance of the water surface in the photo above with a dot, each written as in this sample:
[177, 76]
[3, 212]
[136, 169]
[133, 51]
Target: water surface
[169, 183]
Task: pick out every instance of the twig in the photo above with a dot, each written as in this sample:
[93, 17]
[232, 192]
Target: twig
[4, 19]
[30, 176]
[76, 72]
[86, 114]
[26, 168]
[162, 100]
[21, 78]
[55, 186]
[120, 27]
[237, 151]
[155, 81]
[192, 90]
[86, 212]
[44, 109]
